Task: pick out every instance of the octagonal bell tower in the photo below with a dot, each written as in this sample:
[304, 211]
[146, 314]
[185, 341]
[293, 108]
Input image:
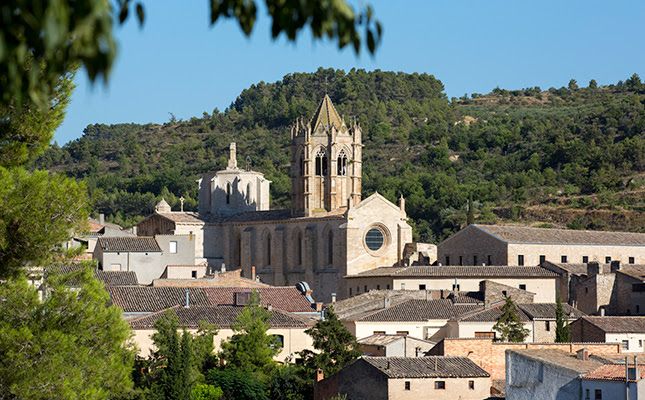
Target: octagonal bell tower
[326, 166]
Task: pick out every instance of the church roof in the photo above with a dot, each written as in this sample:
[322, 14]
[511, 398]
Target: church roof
[326, 115]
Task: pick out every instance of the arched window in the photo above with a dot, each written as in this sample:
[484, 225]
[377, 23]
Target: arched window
[330, 248]
[268, 251]
[299, 248]
[341, 163]
[248, 193]
[321, 163]
[228, 193]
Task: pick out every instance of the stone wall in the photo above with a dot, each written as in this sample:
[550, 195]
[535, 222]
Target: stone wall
[583, 331]
[491, 355]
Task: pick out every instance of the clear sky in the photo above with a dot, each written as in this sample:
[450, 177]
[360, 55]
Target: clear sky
[178, 64]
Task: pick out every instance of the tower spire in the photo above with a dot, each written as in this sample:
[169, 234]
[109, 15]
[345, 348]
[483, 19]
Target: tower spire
[232, 156]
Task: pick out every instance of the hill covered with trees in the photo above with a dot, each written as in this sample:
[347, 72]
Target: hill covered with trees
[571, 156]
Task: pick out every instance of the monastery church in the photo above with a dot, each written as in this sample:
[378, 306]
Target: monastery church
[329, 232]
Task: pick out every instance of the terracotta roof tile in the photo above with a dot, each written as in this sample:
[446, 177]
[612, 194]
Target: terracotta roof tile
[560, 359]
[547, 310]
[222, 316]
[524, 234]
[427, 367]
[611, 372]
[618, 324]
[421, 310]
[146, 299]
[185, 216]
[117, 278]
[136, 244]
[286, 298]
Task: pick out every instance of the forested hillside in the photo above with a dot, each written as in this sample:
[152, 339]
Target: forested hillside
[571, 156]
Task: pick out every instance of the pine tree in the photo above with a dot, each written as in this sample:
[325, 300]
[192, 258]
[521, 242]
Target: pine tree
[509, 325]
[251, 348]
[336, 345]
[562, 333]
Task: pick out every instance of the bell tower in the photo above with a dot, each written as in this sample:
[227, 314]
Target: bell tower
[326, 166]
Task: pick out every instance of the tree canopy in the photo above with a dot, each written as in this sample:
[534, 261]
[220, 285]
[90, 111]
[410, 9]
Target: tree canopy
[509, 325]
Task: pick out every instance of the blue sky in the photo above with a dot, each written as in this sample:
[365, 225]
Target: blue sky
[178, 64]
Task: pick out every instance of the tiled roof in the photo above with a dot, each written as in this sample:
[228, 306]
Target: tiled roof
[137, 244]
[222, 316]
[618, 324]
[633, 270]
[612, 372]
[488, 315]
[523, 234]
[560, 359]
[427, 367]
[384, 340]
[547, 310]
[142, 299]
[117, 278]
[185, 216]
[279, 215]
[421, 310]
[286, 298]
[573, 268]
[458, 271]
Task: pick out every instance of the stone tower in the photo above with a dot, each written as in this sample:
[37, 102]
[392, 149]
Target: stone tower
[326, 164]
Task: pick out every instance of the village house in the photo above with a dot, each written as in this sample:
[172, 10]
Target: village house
[286, 327]
[148, 257]
[383, 345]
[401, 378]
[614, 382]
[539, 281]
[519, 245]
[612, 289]
[628, 331]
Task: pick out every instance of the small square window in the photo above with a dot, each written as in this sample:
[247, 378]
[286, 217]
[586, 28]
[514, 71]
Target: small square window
[586, 290]
[455, 287]
[350, 291]
[520, 260]
[547, 326]
[471, 385]
[640, 343]
[474, 260]
[447, 260]
[378, 287]
[632, 260]
[173, 247]
[542, 258]
[358, 289]
[365, 288]
[585, 259]
[403, 286]
[193, 274]
[387, 286]
[607, 260]
[440, 385]
[563, 259]
[625, 344]
[522, 286]
[422, 287]
[598, 394]
[407, 385]
[461, 260]
[489, 260]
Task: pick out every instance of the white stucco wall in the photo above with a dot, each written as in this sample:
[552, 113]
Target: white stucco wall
[632, 338]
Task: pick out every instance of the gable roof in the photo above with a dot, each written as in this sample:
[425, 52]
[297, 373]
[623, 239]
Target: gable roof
[117, 278]
[286, 298]
[491, 314]
[182, 216]
[451, 271]
[612, 372]
[376, 196]
[561, 359]
[530, 235]
[326, 115]
[384, 340]
[636, 271]
[617, 324]
[136, 244]
[146, 299]
[420, 310]
[547, 310]
[222, 316]
[426, 367]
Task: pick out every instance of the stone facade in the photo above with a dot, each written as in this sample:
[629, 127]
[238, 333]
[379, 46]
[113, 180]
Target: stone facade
[329, 232]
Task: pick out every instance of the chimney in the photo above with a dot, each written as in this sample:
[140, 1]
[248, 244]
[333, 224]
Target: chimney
[602, 311]
[615, 265]
[386, 302]
[223, 268]
[439, 264]
[388, 365]
[582, 354]
[333, 298]
[187, 298]
[101, 218]
[593, 268]
[319, 307]
[253, 272]
[632, 372]
[320, 375]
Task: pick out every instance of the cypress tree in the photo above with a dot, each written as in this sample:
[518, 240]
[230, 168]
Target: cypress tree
[562, 333]
[509, 325]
